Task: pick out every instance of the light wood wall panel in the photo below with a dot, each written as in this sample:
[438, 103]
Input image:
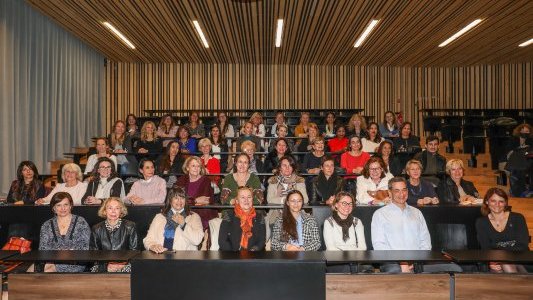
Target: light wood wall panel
[134, 87]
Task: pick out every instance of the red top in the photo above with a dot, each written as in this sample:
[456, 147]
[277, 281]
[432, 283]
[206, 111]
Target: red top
[337, 145]
[350, 162]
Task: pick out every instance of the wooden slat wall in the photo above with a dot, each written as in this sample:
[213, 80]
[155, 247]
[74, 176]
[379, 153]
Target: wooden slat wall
[134, 87]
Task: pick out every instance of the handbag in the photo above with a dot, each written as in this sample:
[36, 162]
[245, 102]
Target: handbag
[19, 244]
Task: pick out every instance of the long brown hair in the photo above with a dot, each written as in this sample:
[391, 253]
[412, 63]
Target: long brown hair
[164, 164]
[491, 192]
[118, 140]
[20, 188]
[289, 222]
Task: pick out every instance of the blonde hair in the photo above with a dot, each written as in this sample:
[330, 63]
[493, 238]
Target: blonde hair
[187, 162]
[246, 144]
[144, 134]
[356, 116]
[255, 115]
[123, 209]
[413, 162]
[204, 141]
[454, 162]
[72, 167]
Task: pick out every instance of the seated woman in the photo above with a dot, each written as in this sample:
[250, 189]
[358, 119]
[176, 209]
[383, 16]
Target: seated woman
[355, 158]
[259, 129]
[389, 127]
[281, 148]
[226, 129]
[295, 230]
[302, 129]
[279, 120]
[198, 188]
[373, 140]
[305, 144]
[171, 162]
[329, 129]
[501, 229]
[286, 179]
[343, 231]
[392, 162]
[27, 187]
[176, 227]
[327, 184]
[115, 233]
[406, 142]
[421, 191]
[105, 183]
[102, 150]
[242, 228]
[149, 190]
[256, 164]
[357, 126]
[247, 135]
[372, 186]
[72, 184]
[149, 144]
[454, 189]
[218, 144]
[339, 143]
[313, 159]
[196, 128]
[187, 144]
[241, 177]
[132, 130]
[167, 129]
[121, 145]
[64, 231]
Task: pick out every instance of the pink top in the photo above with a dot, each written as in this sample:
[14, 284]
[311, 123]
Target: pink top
[153, 191]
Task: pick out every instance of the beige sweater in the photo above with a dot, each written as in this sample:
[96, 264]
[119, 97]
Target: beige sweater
[184, 239]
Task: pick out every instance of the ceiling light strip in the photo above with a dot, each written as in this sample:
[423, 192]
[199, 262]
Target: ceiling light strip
[526, 43]
[119, 35]
[200, 33]
[461, 32]
[366, 33]
[279, 33]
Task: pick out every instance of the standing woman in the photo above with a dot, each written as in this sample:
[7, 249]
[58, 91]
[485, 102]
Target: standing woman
[218, 144]
[242, 228]
[27, 187]
[64, 231]
[241, 176]
[149, 143]
[501, 229]
[176, 227]
[373, 140]
[151, 189]
[198, 188]
[295, 230]
[132, 130]
[226, 129]
[121, 145]
[171, 162]
[196, 128]
[105, 183]
[115, 233]
[357, 126]
[389, 127]
[102, 150]
[72, 184]
[343, 231]
[167, 129]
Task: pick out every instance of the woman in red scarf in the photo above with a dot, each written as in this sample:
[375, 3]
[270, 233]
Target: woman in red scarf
[243, 228]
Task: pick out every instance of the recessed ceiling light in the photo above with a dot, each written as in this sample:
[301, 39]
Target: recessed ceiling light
[279, 32]
[119, 34]
[461, 32]
[200, 33]
[365, 33]
[526, 43]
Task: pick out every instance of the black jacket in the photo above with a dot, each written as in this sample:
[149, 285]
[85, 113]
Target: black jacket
[123, 238]
[316, 194]
[229, 237]
[423, 158]
[449, 193]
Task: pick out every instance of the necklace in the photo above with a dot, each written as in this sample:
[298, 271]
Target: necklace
[496, 222]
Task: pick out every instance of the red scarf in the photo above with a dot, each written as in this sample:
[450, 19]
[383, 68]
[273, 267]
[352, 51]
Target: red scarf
[246, 224]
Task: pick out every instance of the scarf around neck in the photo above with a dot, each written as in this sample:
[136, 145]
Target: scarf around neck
[344, 224]
[326, 186]
[246, 224]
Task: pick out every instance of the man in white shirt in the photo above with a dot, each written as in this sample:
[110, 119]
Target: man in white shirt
[399, 226]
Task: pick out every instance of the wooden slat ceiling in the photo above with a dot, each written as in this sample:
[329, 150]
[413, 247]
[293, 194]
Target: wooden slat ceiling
[316, 32]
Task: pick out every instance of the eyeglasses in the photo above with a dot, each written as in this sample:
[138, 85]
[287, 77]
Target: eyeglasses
[346, 204]
[375, 169]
